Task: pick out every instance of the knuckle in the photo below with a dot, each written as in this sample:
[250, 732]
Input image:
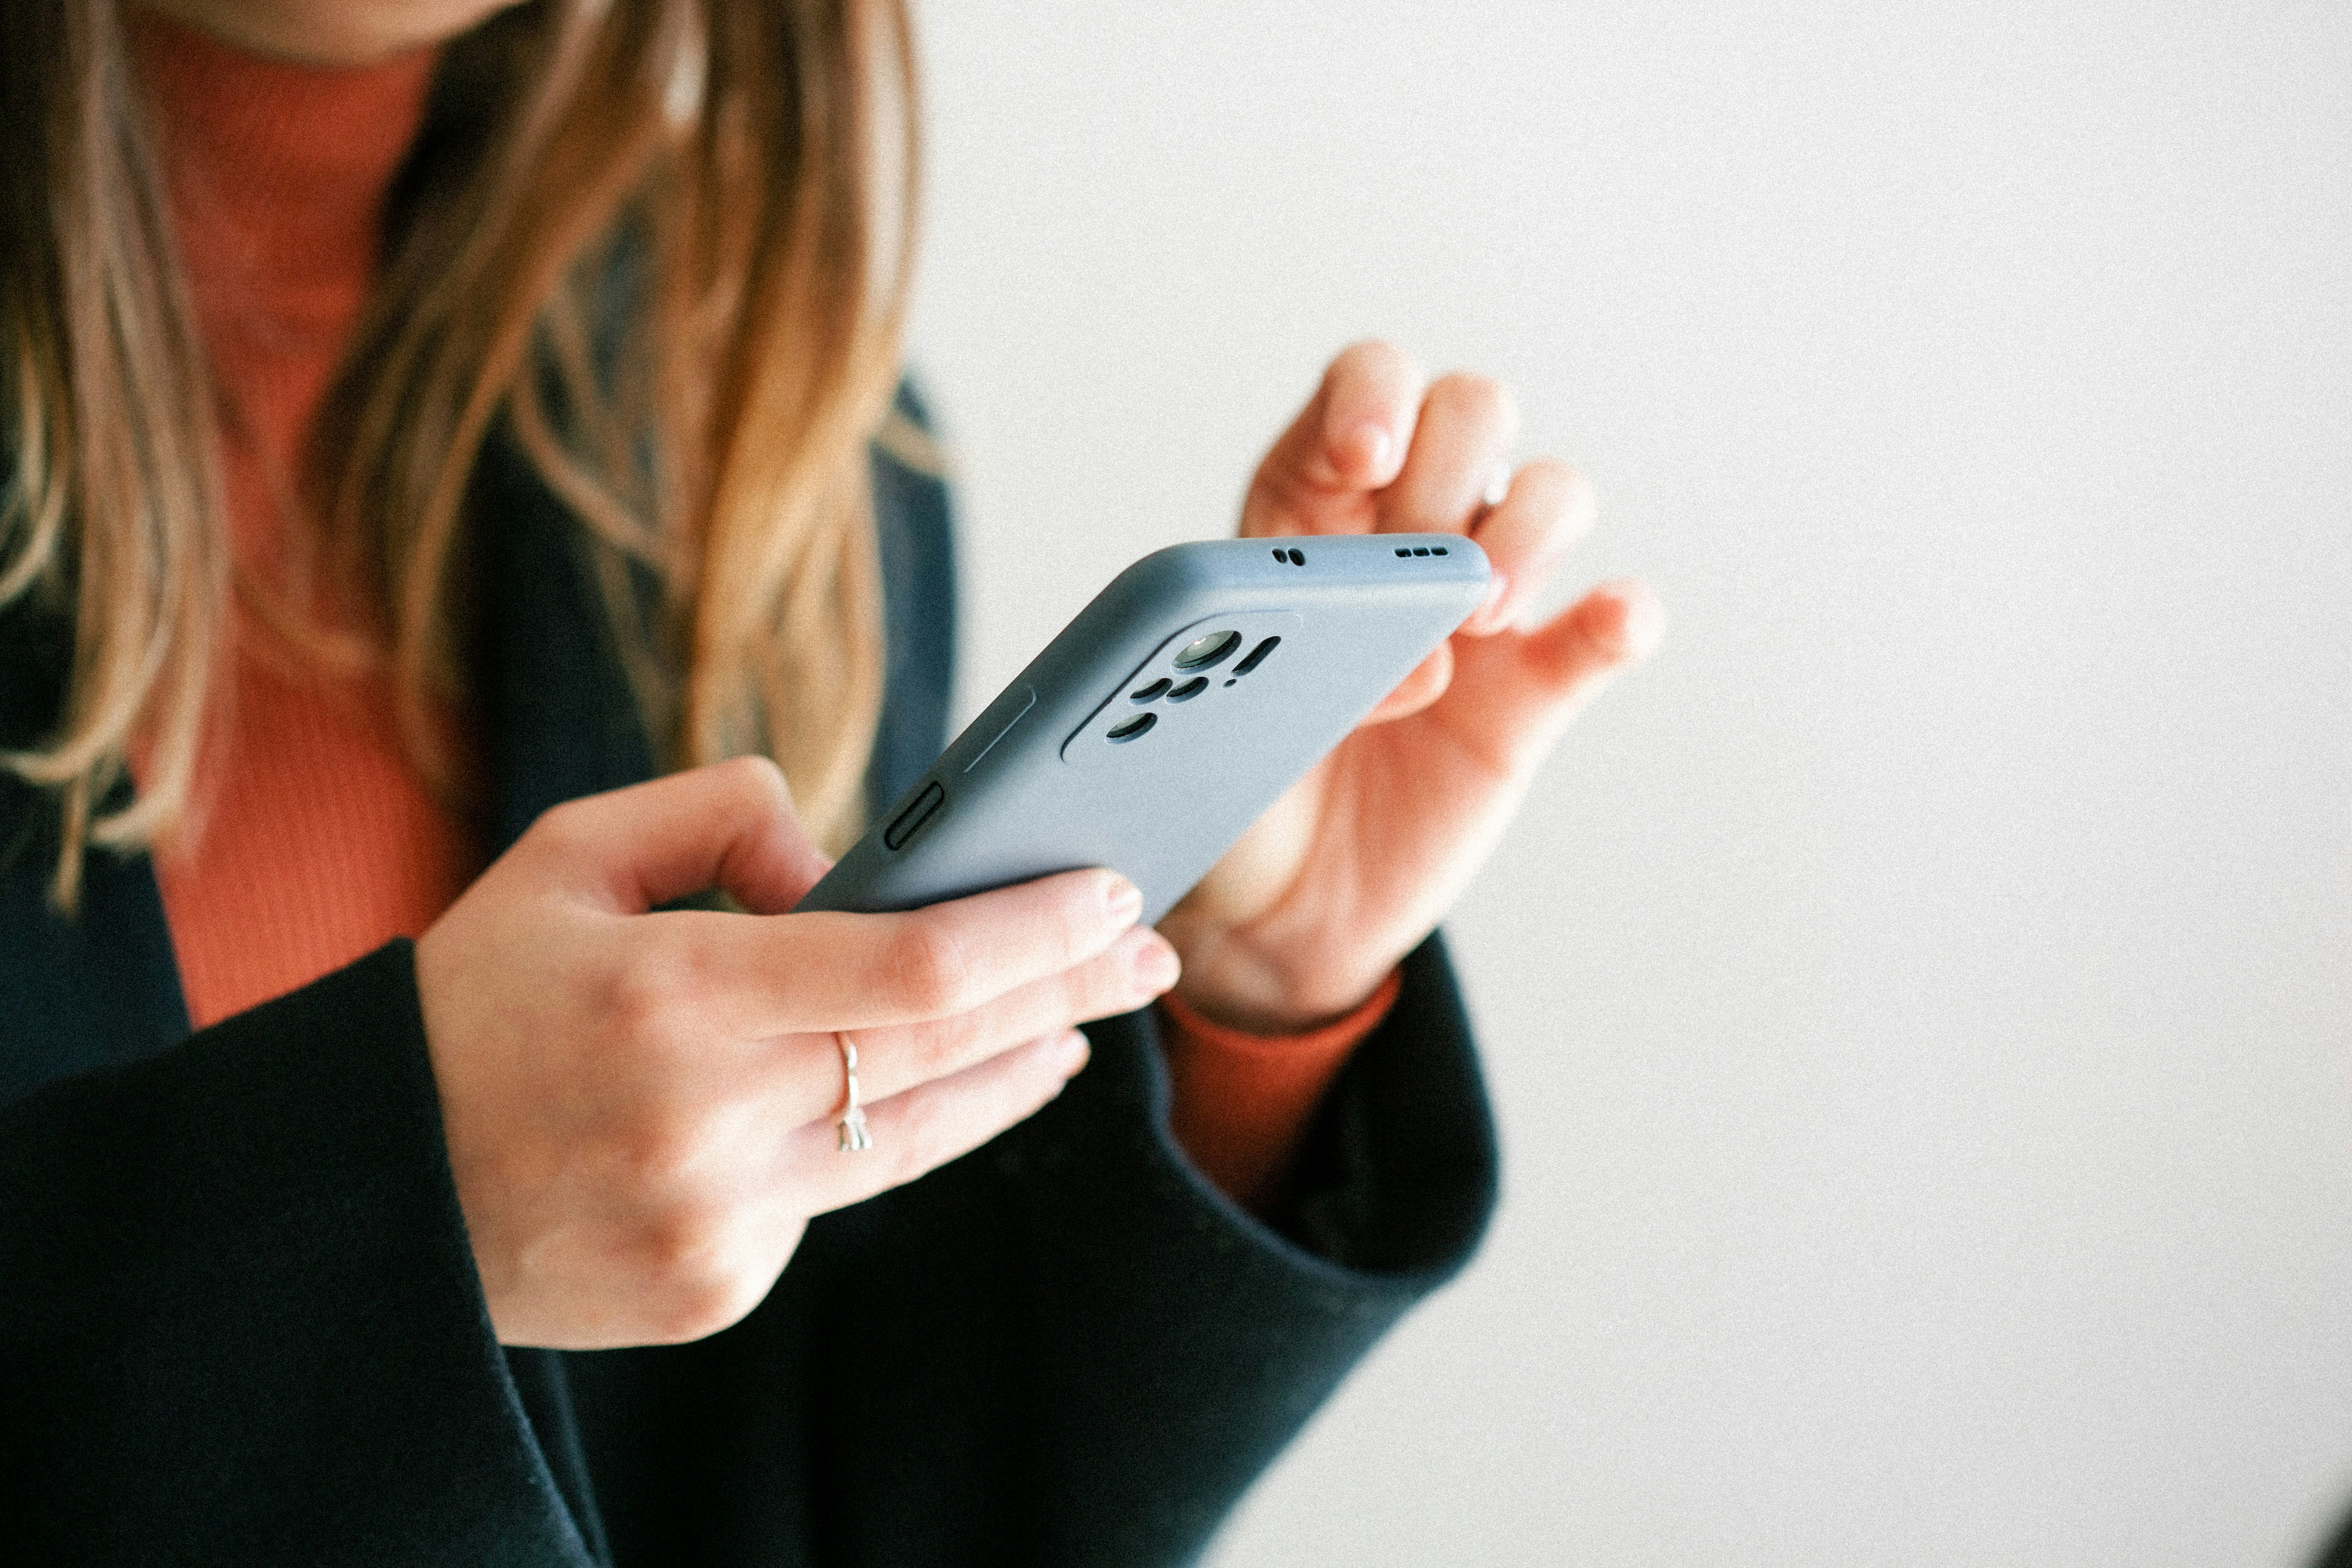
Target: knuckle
[686, 1246]
[756, 779]
[699, 1275]
[641, 998]
[665, 1149]
[560, 831]
[1478, 399]
[927, 968]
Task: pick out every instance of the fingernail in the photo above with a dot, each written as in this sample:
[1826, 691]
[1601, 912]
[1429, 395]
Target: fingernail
[1490, 614]
[1070, 1053]
[1156, 965]
[1498, 487]
[1124, 897]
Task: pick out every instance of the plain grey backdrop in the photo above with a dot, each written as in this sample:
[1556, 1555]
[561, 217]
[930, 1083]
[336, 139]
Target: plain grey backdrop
[1917, 1004]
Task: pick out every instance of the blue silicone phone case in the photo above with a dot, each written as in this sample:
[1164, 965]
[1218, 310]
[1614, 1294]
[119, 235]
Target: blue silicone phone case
[1107, 751]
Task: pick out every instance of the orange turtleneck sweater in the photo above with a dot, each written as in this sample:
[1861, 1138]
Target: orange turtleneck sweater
[314, 842]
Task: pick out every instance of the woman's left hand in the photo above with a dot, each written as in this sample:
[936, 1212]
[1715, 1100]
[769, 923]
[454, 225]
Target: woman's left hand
[1350, 870]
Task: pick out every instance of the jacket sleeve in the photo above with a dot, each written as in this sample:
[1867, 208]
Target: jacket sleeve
[1068, 1347]
[1183, 1343]
[239, 1321]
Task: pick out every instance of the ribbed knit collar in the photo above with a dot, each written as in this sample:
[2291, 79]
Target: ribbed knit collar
[276, 174]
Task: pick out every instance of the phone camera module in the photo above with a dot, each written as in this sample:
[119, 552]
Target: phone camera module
[1256, 658]
[1128, 728]
[1203, 653]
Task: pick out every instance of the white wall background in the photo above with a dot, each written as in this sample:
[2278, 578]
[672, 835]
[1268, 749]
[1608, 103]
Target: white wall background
[1918, 1004]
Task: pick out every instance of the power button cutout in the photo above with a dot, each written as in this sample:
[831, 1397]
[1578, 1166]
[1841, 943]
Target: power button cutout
[911, 821]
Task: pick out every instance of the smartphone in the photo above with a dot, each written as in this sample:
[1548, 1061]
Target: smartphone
[1161, 723]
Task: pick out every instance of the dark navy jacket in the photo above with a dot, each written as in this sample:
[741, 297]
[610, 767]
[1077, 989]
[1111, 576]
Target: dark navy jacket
[239, 1322]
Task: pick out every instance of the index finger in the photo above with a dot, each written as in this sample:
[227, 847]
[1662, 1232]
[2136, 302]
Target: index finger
[774, 974]
[1349, 439]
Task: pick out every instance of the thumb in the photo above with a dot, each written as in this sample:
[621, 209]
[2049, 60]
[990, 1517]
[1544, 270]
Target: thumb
[1349, 439]
[729, 826]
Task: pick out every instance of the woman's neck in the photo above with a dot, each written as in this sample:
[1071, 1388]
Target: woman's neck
[275, 175]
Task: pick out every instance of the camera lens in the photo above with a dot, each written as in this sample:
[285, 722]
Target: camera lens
[1257, 655]
[1203, 652]
[1128, 728]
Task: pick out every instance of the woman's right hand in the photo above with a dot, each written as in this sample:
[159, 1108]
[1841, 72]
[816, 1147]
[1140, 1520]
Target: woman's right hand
[640, 1107]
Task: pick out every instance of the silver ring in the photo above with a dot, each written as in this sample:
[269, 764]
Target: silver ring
[854, 1136]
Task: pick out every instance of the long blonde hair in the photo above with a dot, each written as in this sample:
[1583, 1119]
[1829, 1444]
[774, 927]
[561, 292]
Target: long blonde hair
[739, 174]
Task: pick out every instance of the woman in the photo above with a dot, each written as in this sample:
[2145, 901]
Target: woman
[441, 436]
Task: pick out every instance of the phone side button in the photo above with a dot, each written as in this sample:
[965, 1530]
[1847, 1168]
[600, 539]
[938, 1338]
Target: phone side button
[911, 821]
